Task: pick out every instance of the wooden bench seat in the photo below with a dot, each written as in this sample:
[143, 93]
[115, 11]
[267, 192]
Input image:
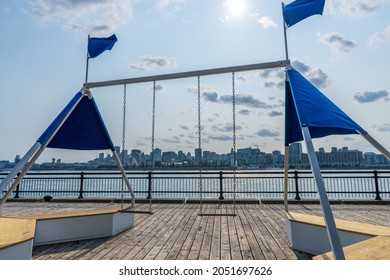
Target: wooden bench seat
[350, 226]
[72, 214]
[16, 238]
[307, 233]
[79, 225]
[376, 248]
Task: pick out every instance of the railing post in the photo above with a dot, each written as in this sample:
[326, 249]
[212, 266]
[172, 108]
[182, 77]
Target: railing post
[81, 185]
[296, 185]
[17, 189]
[377, 192]
[221, 186]
[149, 185]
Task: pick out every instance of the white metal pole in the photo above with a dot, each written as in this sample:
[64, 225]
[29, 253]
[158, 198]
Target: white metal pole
[21, 176]
[38, 153]
[286, 148]
[285, 199]
[189, 74]
[377, 146]
[124, 176]
[331, 229]
[285, 33]
[19, 166]
[87, 64]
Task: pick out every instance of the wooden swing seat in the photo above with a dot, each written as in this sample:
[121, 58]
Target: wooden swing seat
[217, 214]
[139, 212]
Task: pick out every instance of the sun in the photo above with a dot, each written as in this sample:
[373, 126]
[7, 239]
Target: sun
[236, 7]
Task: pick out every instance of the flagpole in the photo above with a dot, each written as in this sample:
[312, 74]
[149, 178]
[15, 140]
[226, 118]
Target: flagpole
[286, 147]
[87, 64]
[285, 33]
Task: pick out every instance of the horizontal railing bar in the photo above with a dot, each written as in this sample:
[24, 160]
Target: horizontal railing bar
[171, 183]
[189, 74]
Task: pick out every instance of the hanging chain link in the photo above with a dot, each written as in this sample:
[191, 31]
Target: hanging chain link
[153, 120]
[123, 139]
[152, 147]
[124, 124]
[200, 147]
[234, 140]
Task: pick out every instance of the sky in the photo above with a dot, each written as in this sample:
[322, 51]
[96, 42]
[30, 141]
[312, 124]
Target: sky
[345, 53]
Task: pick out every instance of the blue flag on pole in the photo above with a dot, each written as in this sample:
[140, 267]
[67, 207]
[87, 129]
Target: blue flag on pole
[308, 107]
[83, 129]
[301, 9]
[96, 46]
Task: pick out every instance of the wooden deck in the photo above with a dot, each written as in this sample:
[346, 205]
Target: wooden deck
[176, 232]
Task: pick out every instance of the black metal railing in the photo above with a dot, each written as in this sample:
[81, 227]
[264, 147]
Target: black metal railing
[370, 185]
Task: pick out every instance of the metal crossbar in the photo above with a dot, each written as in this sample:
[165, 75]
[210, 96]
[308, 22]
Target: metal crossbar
[189, 74]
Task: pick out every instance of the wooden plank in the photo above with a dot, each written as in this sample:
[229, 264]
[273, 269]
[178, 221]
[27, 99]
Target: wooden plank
[356, 227]
[225, 238]
[254, 246]
[235, 249]
[198, 238]
[376, 248]
[269, 234]
[148, 238]
[205, 248]
[180, 242]
[279, 233]
[130, 238]
[261, 224]
[70, 214]
[147, 226]
[161, 249]
[142, 248]
[15, 231]
[258, 228]
[215, 246]
[186, 248]
[243, 238]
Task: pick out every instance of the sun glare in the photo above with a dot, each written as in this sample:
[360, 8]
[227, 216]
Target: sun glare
[236, 7]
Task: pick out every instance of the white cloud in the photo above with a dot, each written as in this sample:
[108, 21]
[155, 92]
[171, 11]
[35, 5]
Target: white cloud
[336, 42]
[266, 22]
[169, 7]
[380, 38]
[316, 76]
[225, 20]
[355, 8]
[86, 17]
[149, 62]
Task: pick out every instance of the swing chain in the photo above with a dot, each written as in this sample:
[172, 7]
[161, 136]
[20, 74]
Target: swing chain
[200, 147]
[152, 147]
[124, 124]
[234, 140]
[153, 119]
[123, 139]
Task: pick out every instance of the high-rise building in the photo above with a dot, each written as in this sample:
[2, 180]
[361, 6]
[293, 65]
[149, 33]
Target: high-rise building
[198, 155]
[295, 154]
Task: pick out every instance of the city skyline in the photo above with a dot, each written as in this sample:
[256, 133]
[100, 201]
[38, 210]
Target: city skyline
[246, 157]
[341, 53]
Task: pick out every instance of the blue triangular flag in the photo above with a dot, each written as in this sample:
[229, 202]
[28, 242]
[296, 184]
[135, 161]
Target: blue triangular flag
[96, 46]
[84, 128]
[291, 123]
[315, 111]
[301, 9]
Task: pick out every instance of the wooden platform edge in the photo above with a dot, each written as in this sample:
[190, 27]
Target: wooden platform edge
[15, 231]
[72, 214]
[349, 226]
[376, 248]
